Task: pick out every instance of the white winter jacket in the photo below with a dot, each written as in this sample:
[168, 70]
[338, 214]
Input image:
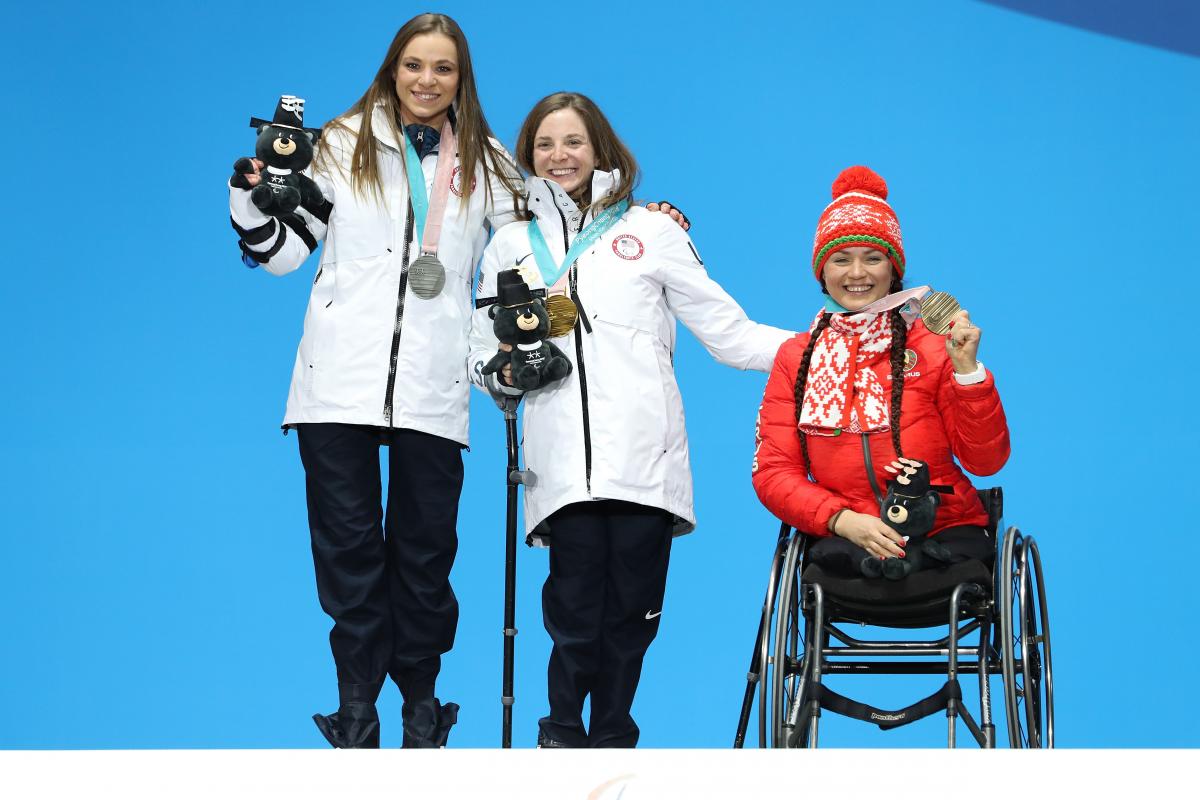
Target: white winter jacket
[358, 323]
[613, 429]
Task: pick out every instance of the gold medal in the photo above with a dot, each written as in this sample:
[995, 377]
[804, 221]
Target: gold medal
[563, 314]
[937, 310]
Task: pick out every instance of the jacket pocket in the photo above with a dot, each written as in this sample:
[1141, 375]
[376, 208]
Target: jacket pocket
[324, 286]
[629, 416]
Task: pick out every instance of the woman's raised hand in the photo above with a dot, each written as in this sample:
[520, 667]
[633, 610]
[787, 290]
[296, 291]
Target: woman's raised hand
[247, 173]
[870, 533]
[962, 343]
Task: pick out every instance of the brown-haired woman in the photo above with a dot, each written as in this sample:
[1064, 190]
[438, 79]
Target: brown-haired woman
[381, 363]
[607, 442]
[866, 388]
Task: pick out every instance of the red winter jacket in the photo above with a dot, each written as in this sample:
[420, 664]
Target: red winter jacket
[940, 419]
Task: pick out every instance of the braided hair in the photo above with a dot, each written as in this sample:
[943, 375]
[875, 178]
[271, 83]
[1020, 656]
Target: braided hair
[802, 382]
[899, 340]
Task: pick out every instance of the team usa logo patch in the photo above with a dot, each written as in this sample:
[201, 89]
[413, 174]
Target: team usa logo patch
[456, 182]
[628, 247]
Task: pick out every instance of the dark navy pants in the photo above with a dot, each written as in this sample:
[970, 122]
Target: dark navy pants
[383, 573]
[601, 605]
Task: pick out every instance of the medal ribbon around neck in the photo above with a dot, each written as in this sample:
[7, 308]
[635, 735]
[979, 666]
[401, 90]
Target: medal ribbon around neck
[896, 300]
[429, 212]
[551, 271]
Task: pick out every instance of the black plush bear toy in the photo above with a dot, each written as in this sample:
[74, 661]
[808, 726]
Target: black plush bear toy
[285, 147]
[909, 509]
[521, 320]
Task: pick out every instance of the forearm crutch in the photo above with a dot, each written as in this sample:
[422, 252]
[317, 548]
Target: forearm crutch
[514, 475]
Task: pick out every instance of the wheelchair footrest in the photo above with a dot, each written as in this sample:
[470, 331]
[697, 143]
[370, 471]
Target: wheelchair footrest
[886, 720]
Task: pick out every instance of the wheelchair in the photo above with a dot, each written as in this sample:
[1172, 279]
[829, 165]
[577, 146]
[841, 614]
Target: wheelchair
[1004, 605]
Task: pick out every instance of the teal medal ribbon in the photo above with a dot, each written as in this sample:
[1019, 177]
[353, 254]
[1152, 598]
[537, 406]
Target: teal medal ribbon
[426, 275]
[551, 271]
[416, 182]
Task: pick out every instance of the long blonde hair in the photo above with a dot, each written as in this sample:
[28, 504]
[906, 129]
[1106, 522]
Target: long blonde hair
[475, 148]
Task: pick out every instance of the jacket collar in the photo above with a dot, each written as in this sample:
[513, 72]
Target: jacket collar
[547, 200]
[381, 127]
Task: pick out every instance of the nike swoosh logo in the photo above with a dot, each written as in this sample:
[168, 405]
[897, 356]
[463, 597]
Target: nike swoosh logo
[652, 616]
[522, 258]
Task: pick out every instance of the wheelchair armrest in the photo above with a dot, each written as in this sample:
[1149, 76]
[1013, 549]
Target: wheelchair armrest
[993, 503]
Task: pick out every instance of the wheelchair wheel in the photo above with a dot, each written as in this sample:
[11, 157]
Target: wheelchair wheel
[788, 654]
[762, 663]
[1024, 634]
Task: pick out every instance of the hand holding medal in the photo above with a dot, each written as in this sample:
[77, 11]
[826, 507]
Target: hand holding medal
[944, 316]
[962, 343]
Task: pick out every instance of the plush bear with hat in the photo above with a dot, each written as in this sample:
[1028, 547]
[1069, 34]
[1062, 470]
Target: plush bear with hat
[285, 147]
[909, 508]
[520, 320]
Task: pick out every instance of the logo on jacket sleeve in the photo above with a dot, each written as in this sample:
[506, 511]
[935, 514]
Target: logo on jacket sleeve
[628, 247]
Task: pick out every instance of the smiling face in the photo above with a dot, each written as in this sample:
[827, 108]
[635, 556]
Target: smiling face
[562, 151]
[427, 78]
[857, 276]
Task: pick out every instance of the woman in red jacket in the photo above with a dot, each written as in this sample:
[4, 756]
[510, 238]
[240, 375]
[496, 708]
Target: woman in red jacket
[861, 390]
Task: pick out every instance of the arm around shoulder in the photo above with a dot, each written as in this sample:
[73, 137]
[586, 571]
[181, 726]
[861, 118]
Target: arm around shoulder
[503, 178]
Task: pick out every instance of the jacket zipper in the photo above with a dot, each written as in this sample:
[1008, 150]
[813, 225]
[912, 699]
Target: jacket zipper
[583, 395]
[580, 323]
[391, 381]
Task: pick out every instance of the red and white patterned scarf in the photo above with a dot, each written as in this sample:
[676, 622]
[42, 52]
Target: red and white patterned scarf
[842, 393]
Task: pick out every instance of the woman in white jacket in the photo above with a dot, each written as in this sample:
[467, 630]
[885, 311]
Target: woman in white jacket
[381, 363]
[607, 442]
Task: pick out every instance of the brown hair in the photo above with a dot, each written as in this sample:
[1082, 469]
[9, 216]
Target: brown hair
[611, 152]
[471, 129]
[899, 341]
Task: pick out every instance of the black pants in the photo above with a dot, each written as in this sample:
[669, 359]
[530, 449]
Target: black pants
[601, 605]
[840, 556]
[384, 577]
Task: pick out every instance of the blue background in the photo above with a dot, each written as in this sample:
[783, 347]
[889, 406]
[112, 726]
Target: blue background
[157, 581]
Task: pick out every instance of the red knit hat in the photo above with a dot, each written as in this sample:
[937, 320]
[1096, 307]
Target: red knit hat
[859, 215]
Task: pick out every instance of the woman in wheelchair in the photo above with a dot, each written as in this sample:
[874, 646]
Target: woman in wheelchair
[870, 395]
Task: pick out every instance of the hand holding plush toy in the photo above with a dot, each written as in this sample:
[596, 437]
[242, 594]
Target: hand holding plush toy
[284, 148]
[521, 322]
[909, 509]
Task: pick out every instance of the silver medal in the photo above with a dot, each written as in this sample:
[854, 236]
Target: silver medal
[427, 277]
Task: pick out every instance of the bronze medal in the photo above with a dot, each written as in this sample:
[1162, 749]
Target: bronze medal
[937, 310]
[563, 314]
[427, 277]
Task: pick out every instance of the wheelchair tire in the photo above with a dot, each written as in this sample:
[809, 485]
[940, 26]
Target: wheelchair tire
[762, 658]
[788, 660]
[1024, 634]
[772, 705]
